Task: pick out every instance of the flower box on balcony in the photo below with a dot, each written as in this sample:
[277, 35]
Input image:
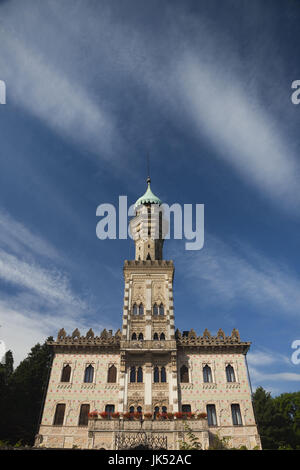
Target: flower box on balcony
[93, 415]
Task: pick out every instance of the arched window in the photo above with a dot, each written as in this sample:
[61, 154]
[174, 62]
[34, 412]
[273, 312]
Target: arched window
[89, 374]
[155, 309]
[162, 337]
[133, 337]
[155, 337]
[112, 374]
[132, 374]
[156, 411]
[131, 409]
[161, 309]
[141, 336]
[134, 309]
[186, 408]
[66, 373]
[84, 415]
[164, 409]
[141, 309]
[110, 409]
[59, 414]
[184, 374]
[207, 376]
[156, 375]
[230, 373]
[236, 415]
[211, 415]
[163, 377]
[139, 409]
[140, 375]
[148, 255]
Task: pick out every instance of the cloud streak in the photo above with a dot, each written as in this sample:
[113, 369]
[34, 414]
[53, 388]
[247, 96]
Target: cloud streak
[233, 275]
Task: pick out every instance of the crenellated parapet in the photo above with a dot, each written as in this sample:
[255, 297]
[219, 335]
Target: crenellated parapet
[207, 340]
[106, 338]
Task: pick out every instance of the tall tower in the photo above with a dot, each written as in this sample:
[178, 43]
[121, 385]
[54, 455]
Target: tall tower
[148, 375]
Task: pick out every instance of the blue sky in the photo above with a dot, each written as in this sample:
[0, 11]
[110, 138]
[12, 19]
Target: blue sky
[204, 87]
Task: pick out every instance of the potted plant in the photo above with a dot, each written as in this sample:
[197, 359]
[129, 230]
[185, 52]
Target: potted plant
[93, 415]
[126, 415]
[137, 415]
[104, 415]
[170, 415]
[147, 416]
[178, 415]
[202, 416]
[115, 415]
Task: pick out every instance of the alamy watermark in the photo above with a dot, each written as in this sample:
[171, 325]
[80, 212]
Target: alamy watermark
[295, 97]
[184, 224]
[2, 92]
[2, 352]
[296, 354]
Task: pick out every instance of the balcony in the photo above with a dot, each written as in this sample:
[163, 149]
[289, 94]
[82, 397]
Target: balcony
[154, 425]
[148, 345]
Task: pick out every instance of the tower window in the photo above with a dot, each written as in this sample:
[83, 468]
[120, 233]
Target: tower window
[155, 337]
[141, 336]
[84, 415]
[148, 255]
[112, 374]
[211, 415]
[140, 375]
[155, 309]
[156, 375]
[207, 376]
[230, 375]
[236, 415]
[162, 337]
[134, 309]
[184, 374]
[89, 374]
[133, 337]
[132, 374]
[66, 373]
[161, 309]
[59, 414]
[141, 309]
[163, 376]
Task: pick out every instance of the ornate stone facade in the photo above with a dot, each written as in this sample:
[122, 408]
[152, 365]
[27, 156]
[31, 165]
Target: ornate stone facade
[147, 368]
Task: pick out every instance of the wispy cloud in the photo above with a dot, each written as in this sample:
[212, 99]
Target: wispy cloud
[244, 134]
[239, 273]
[16, 237]
[55, 97]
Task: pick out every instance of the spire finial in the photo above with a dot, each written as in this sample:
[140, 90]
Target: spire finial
[148, 169]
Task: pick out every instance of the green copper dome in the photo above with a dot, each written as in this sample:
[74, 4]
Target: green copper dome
[148, 197]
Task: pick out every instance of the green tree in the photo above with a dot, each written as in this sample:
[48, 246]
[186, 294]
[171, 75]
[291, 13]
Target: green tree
[288, 405]
[274, 425]
[24, 392]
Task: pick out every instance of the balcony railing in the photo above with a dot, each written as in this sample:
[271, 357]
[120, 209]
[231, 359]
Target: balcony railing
[148, 345]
